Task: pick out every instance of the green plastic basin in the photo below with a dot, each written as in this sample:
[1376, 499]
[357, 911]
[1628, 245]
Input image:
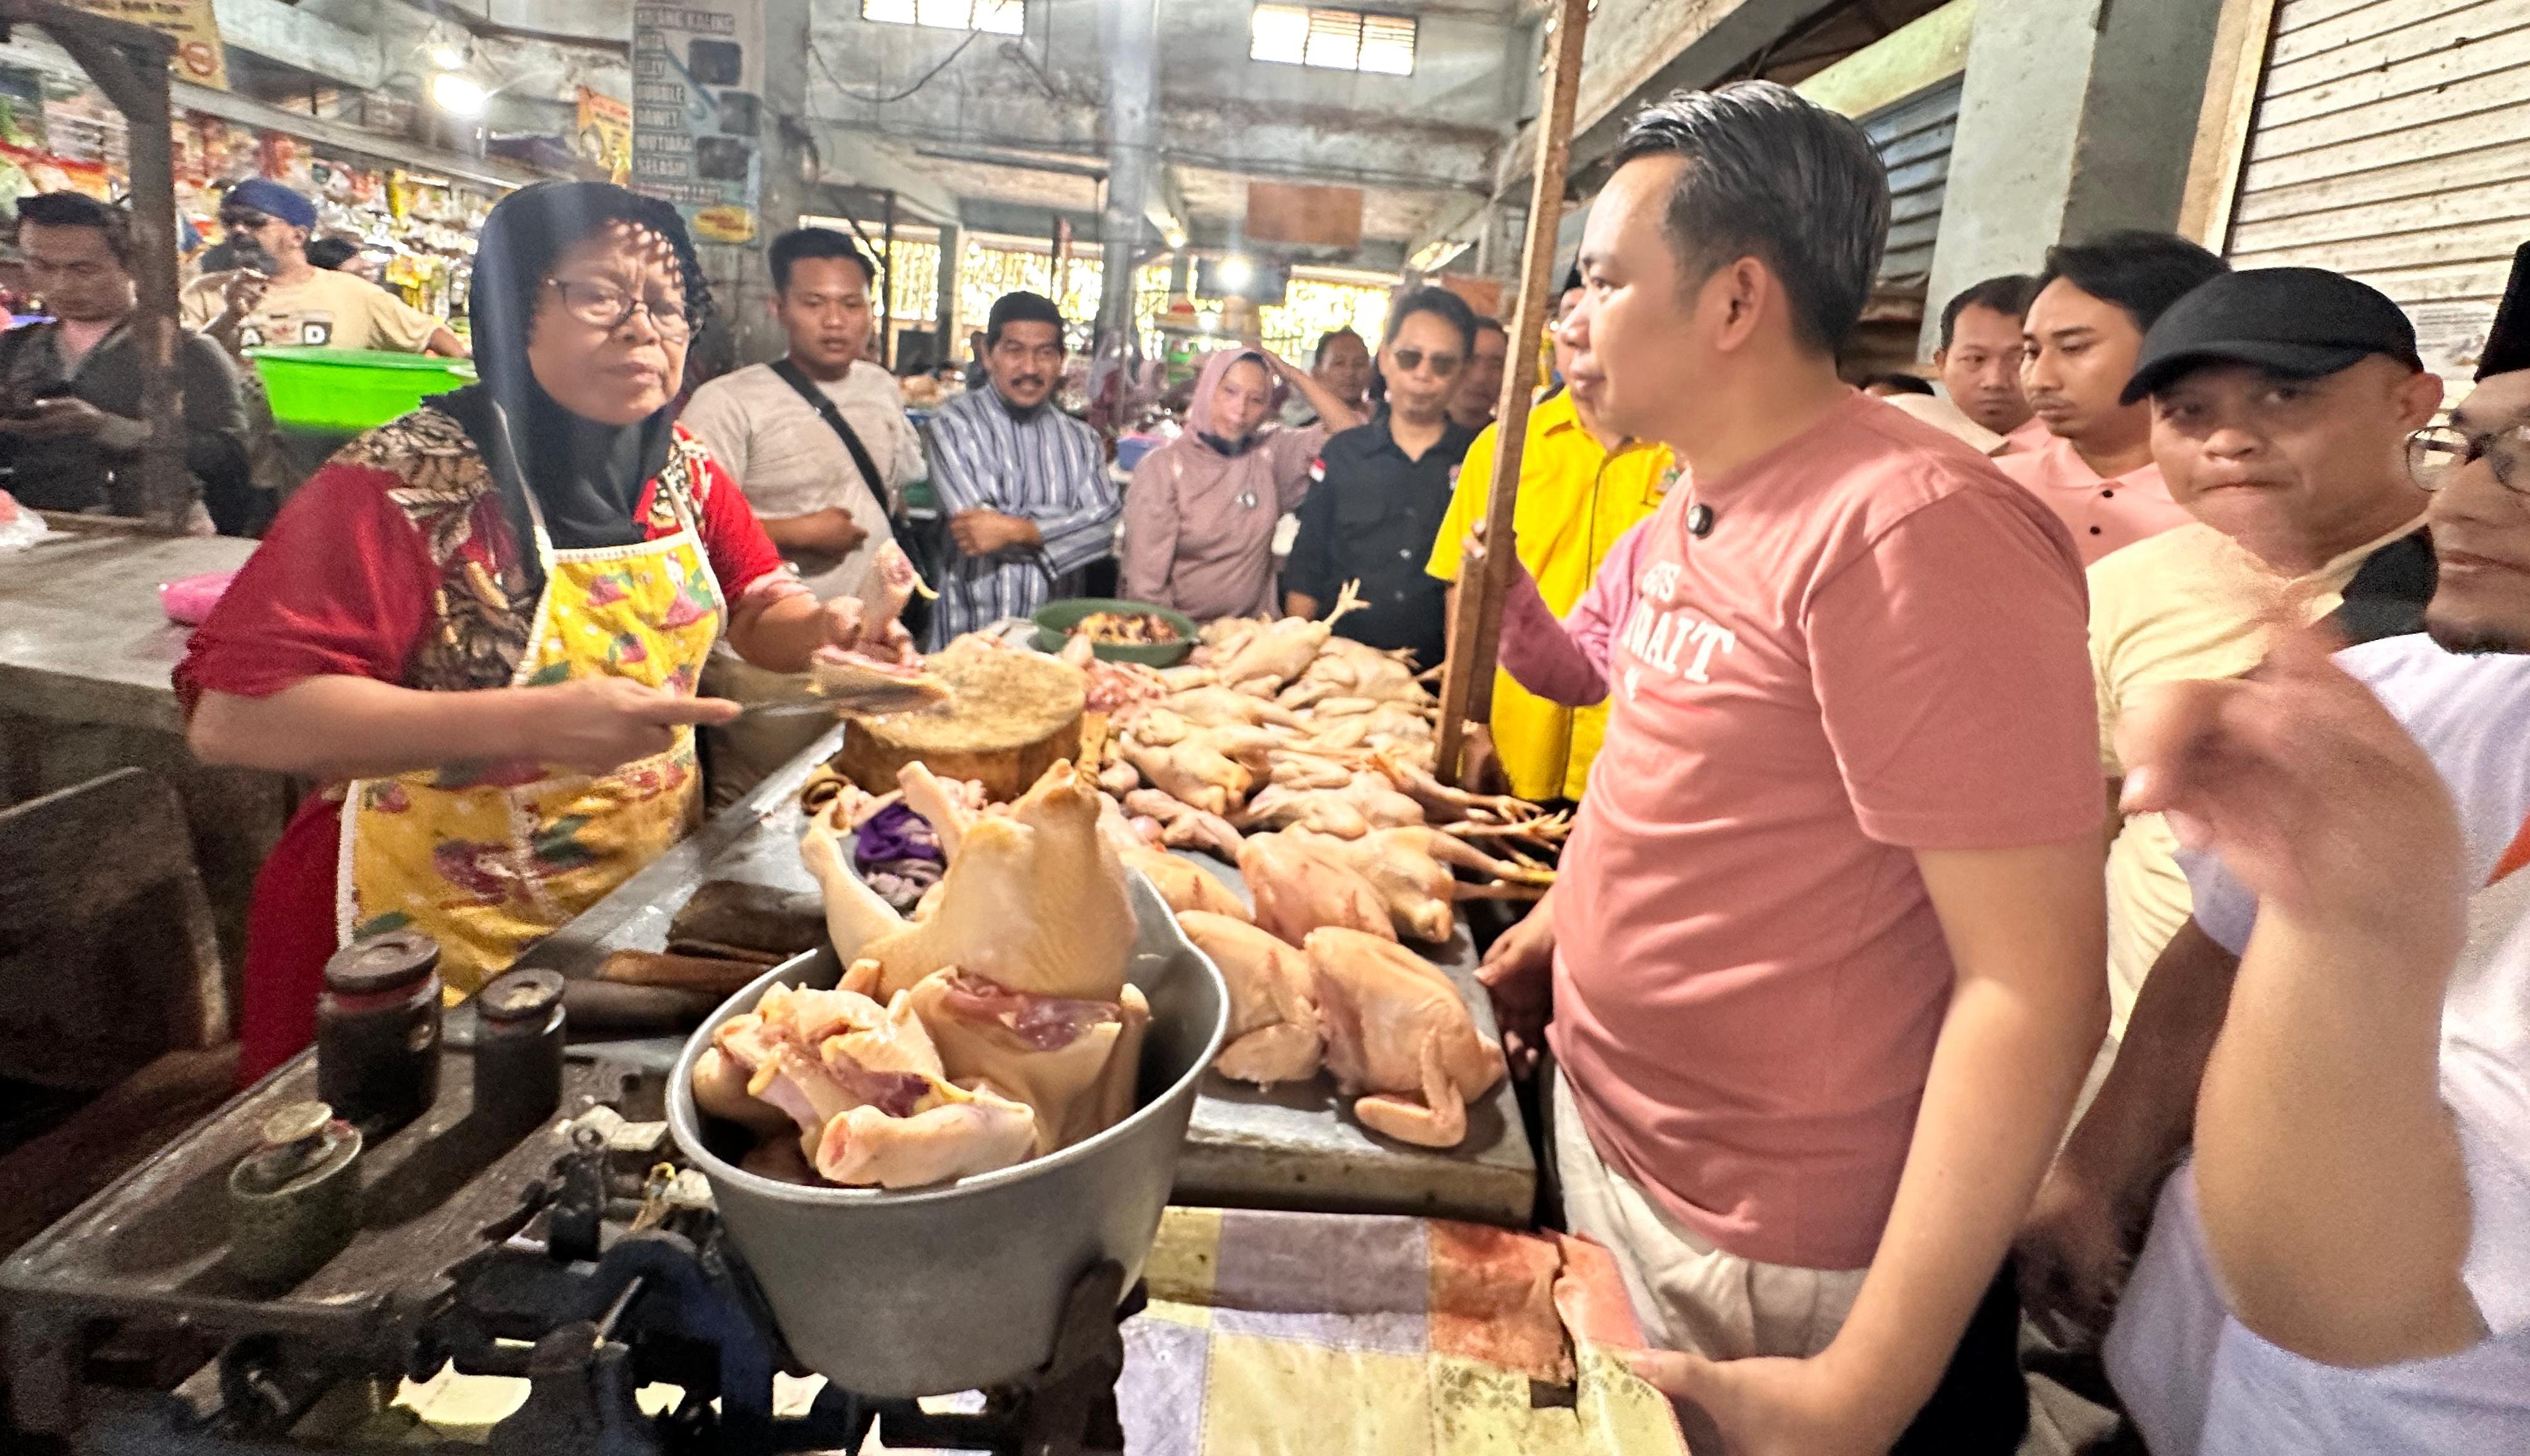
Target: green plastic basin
[1056, 620]
[345, 391]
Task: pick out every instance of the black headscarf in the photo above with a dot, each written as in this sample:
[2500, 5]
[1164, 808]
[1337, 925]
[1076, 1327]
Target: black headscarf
[586, 476]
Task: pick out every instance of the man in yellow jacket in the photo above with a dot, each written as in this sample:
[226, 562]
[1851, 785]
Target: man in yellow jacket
[1580, 488]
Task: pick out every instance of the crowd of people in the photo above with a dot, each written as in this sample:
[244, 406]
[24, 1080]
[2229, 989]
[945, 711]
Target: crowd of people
[2044, 860]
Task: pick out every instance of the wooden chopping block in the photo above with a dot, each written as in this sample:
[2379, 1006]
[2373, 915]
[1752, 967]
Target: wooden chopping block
[1009, 717]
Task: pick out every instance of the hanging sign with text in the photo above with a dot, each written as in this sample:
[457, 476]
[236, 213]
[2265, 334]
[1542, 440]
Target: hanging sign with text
[188, 23]
[698, 103]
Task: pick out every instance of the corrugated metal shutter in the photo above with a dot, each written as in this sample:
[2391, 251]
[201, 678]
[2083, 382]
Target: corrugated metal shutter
[1914, 140]
[2393, 143]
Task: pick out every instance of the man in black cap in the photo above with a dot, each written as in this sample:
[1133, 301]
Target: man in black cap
[2343, 1262]
[2282, 400]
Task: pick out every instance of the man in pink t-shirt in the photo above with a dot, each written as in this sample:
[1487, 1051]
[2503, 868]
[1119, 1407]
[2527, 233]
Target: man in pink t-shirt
[1830, 925]
[2095, 301]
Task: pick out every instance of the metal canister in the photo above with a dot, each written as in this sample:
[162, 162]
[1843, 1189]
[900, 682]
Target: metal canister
[292, 1201]
[517, 1049]
[377, 1030]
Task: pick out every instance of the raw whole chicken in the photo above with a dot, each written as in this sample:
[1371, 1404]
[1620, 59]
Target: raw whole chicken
[867, 1090]
[1183, 826]
[1211, 707]
[1274, 1032]
[1183, 884]
[1398, 1037]
[1366, 801]
[1296, 891]
[1192, 771]
[1292, 769]
[1410, 868]
[1377, 678]
[1263, 659]
[1033, 900]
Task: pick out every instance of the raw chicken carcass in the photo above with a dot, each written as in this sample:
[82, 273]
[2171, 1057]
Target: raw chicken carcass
[1214, 707]
[1033, 900]
[1272, 655]
[1376, 678]
[1183, 826]
[879, 672]
[1193, 772]
[1274, 1032]
[1398, 1037]
[1366, 801]
[1296, 891]
[1410, 866]
[864, 1088]
[1183, 884]
[1074, 1063]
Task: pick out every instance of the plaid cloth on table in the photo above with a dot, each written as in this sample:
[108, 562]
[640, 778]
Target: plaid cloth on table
[1314, 1334]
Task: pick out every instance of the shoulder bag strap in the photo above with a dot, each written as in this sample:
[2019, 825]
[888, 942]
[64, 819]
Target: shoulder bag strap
[807, 390]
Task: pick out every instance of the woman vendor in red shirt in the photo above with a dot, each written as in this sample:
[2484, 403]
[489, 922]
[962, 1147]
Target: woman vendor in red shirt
[480, 624]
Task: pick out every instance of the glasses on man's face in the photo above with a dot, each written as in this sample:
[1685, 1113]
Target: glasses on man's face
[2437, 454]
[1443, 364]
[603, 305]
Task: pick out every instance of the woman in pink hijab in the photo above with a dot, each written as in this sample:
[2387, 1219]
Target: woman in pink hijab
[1199, 516]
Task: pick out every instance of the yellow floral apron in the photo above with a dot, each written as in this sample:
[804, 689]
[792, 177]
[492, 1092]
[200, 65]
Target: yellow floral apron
[489, 859]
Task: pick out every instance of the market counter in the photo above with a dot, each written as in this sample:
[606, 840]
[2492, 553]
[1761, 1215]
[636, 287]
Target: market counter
[85, 654]
[1291, 1147]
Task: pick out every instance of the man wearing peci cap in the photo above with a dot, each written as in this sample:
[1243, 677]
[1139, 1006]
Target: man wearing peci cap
[283, 301]
[2282, 400]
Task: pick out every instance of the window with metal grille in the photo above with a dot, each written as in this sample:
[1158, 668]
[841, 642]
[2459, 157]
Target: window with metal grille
[1332, 39]
[999, 17]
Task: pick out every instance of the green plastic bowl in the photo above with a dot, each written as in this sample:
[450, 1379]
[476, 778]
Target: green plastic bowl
[345, 391]
[1056, 620]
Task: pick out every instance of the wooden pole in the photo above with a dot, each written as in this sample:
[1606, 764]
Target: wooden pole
[1477, 623]
[129, 64]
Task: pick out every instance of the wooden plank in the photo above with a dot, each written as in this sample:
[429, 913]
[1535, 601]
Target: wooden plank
[2446, 282]
[2405, 176]
[2445, 137]
[2505, 90]
[2301, 14]
[1476, 625]
[2351, 27]
[2492, 238]
[2242, 33]
[2397, 218]
[57, 1173]
[2362, 76]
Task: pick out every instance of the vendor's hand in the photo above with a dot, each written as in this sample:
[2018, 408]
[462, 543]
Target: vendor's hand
[985, 532]
[847, 627]
[2073, 1256]
[602, 723]
[1518, 975]
[831, 531]
[1772, 1407]
[2306, 786]
[62, 417]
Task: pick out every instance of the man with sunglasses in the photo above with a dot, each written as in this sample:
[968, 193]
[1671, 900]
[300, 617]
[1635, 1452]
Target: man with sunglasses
[279, 299]
[2345, 1263]
[2284, 402]
[1382, 489]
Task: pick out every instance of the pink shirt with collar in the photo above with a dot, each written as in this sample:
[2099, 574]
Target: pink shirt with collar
[2104, 512]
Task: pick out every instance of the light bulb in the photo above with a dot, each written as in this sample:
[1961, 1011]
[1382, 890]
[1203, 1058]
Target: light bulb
[457, 94]
[1236, 273]
[447, 55]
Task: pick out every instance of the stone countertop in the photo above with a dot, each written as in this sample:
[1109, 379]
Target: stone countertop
[1296, 1146]
[83, 638]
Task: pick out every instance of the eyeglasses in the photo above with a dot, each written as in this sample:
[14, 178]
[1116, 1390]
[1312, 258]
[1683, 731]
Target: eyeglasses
[1443, 364]
[2436, 453]
[603, 305]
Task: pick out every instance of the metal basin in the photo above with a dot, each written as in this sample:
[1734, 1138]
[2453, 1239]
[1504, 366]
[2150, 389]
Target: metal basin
[959, 1287]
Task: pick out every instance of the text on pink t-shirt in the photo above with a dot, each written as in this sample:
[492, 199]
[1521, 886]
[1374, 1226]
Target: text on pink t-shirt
[1880, 647]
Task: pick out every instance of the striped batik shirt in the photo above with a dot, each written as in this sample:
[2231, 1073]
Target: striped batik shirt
[1047, 468]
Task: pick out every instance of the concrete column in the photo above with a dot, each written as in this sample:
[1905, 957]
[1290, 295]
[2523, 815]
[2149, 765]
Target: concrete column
[2076, 117]
[741, 286]
[953, 339]
[1131, 38]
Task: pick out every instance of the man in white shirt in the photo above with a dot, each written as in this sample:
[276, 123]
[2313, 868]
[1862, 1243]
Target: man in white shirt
[826, 511]
[819, 443]
[2344, 1265]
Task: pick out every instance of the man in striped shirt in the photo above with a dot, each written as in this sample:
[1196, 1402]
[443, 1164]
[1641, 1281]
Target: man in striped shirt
[1024, 484]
